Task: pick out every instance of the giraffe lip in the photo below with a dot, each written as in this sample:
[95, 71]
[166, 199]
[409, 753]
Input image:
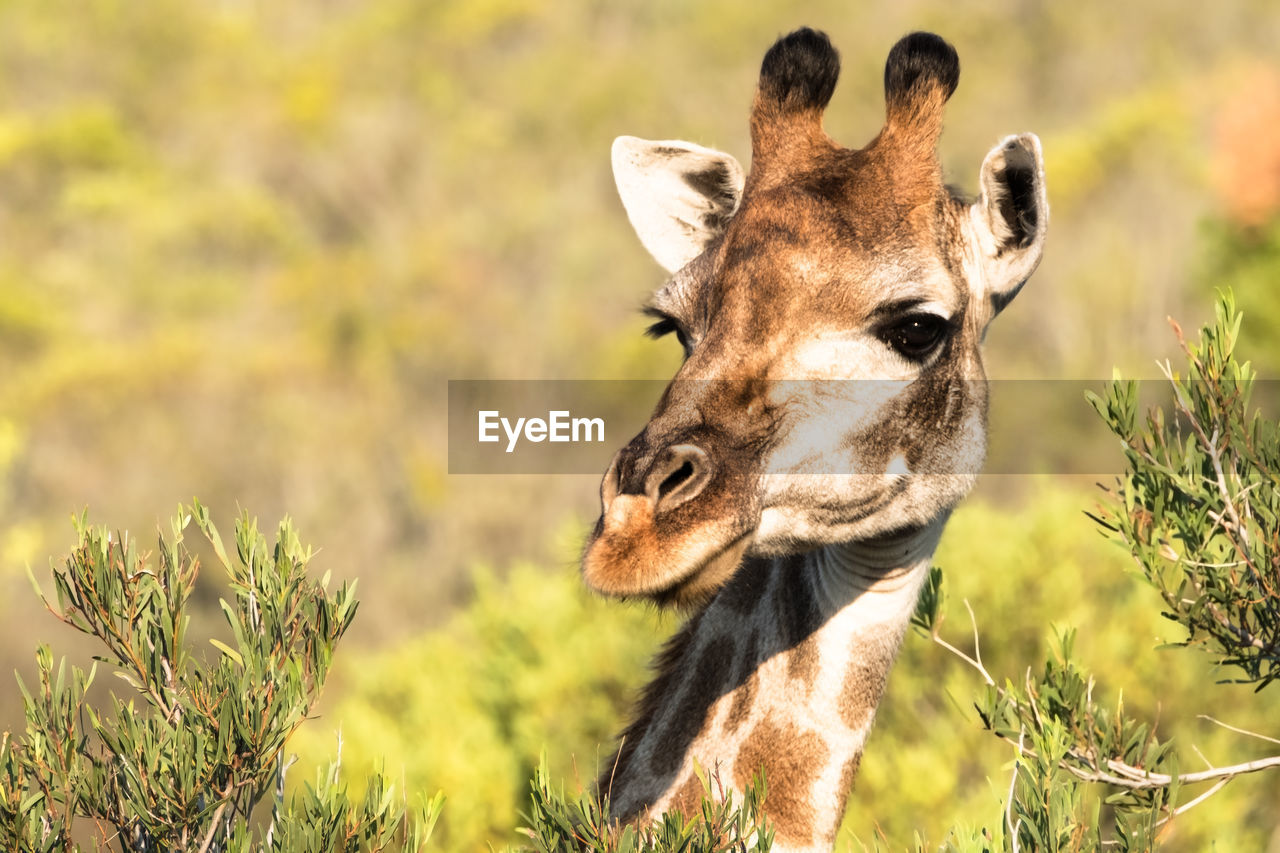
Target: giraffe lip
[701, 582]
[681, 574]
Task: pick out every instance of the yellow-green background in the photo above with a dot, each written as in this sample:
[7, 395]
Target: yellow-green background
[244, 245]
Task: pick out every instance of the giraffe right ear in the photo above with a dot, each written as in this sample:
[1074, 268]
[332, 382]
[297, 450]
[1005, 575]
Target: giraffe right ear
[678, 196]
[1010, 218]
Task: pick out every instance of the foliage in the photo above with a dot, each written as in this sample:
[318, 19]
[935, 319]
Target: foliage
[527, 659]
[560, 824]
[1200, 505]
[185, 760]
[1089, 777]
[534, 663]
[1063, 739]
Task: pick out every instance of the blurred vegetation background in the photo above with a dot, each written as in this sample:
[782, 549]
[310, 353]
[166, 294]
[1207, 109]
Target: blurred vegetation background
[244, 245]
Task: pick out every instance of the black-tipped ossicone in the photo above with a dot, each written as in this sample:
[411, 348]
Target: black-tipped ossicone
[799, 72]
[918, 62]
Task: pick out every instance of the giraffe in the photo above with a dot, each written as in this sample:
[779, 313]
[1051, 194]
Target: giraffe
[791, 511]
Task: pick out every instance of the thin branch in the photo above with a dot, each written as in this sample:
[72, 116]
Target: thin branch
[1008, 809]
[973, 663]
[1210, 447]
[1236, 730]
[217, 816]
[976, 660]
[1185, 807]
[973, 622]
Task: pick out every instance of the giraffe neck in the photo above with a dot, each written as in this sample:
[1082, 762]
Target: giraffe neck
[782, 671]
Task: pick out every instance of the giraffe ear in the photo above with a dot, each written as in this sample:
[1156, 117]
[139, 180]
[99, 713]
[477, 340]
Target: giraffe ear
[678, 196]
[1010, 218]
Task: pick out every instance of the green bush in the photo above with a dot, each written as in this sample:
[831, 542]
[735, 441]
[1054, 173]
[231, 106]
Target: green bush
[581, 824]
[185, 761]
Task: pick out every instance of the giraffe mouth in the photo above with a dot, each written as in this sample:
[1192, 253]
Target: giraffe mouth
[630, 557]
[702, 582]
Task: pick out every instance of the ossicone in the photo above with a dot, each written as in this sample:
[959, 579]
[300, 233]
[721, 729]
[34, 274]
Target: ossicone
[799, 72]
[797, 78]
[921, 73]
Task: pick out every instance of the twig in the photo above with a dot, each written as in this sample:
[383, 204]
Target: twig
[1008, 809]
[976, 661]
[1185, 807]
[217, 816]
[1210, 447]
[1236, 730]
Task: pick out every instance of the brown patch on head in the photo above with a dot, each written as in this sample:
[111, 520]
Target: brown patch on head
[788, 756]
[704, 683]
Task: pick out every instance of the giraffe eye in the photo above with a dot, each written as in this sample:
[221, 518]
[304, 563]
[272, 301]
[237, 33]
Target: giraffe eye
[667, 325]
[916, 336]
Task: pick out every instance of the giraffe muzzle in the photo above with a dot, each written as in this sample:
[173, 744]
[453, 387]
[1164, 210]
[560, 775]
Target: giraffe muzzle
[665, 531]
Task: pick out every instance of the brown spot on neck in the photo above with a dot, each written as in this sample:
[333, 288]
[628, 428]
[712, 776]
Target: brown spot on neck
[791, 760]
[850, 772]
[863, 685]
[688, 798]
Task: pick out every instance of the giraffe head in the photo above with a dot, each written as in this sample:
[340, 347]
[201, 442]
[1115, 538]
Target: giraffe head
[831, 306]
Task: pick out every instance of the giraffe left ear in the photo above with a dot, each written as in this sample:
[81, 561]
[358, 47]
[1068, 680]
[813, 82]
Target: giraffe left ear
[1010, 218]
[679, 196]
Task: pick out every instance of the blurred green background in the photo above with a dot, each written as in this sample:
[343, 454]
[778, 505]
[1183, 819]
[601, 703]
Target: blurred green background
[244, 245]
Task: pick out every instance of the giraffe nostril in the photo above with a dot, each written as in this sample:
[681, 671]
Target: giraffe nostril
[674, 479]
[679, 475]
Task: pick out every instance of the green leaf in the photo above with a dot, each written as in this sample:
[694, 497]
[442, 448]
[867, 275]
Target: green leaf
[227, 650]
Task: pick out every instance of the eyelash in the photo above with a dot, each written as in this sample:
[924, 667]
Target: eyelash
[667, 325]
[892, 334]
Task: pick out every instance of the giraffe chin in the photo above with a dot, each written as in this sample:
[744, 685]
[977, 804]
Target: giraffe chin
[696, 588]
[682, 577]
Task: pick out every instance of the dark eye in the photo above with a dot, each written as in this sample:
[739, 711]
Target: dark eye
[917, 336]
[667, 325]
